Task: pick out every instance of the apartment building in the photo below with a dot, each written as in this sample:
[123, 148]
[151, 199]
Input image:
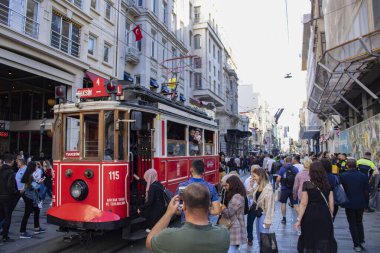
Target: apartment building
[341, 54]
[44, 44]
[74, 43]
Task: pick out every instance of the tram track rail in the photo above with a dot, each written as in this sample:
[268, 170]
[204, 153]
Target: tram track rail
[107, 243]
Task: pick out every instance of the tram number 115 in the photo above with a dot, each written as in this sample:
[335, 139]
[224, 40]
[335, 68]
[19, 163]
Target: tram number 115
[114, 175]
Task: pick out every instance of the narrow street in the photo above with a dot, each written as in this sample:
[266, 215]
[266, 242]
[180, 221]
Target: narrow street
[53, 241]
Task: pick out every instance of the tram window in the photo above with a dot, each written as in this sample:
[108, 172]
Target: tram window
[109, 139]
[176, 139]
[209, 142]
[122, 136]
[195, 141]
[72, 136]
[91, 135]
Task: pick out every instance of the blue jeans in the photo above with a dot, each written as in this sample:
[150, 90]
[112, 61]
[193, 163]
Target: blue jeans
[260, 228]
[250, 219]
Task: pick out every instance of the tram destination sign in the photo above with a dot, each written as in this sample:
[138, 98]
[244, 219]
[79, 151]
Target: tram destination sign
[72, 154]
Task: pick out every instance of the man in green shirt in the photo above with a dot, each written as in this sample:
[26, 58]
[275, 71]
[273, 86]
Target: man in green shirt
[197, 234]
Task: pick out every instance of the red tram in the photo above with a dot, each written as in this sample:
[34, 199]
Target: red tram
[98, 146]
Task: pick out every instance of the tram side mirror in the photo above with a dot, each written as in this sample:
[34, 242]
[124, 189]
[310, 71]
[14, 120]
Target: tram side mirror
[137, 118]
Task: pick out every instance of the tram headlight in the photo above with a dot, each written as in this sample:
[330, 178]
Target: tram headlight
[79, 190]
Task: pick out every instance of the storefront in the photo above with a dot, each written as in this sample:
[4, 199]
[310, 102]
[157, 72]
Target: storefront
[26, 102]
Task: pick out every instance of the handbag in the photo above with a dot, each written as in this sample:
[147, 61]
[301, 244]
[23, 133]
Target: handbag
[224, 221]
[340, 197]
[268, 243]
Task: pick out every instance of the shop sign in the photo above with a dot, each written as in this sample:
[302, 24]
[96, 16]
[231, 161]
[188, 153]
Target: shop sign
[4, 125]
[4, 134]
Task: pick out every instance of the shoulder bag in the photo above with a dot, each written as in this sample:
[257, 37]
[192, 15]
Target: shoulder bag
[224, 221]
[340, 197]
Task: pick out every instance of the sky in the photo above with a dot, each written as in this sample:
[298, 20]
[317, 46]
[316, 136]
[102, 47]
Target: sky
[257, 33]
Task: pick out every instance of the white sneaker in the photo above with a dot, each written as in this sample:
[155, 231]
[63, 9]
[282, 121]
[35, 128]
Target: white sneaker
[147, 230]
[40, 204]
[358, 249]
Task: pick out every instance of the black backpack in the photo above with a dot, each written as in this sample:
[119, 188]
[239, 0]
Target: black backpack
[167, 196]
[276, 166]
[289, 177]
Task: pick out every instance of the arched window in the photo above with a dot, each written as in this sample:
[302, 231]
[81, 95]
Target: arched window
[197, 41]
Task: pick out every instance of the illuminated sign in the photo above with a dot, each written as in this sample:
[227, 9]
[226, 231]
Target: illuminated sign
[4, 134]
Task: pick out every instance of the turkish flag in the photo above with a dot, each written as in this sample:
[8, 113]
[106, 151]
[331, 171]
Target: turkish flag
[137, 32]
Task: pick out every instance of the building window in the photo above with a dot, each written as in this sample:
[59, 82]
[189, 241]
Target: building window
[77, 3]
[127, 33]
[93, 4]
[209, 66]
[182, 31]
[213, 51]
[164, 51]
[154, 6]
[174, 55]
[323, 42]
[108, 10]
[30, 23]
[65, 35]
[190, 78]
[138, 79]
[209, 46]
[376, 13]
[197, 41]
[153, 45]
[165, 12]
[197, 13]
[190, 11]
[214, 71]
[219, 75]
[91, 45]
[106, 52]
[190, 38]
[174, 23]
[209, 83]
[139, 45]
[198, 62]
[215, 86]
[219, 57]
[140, 3]
[198, 80]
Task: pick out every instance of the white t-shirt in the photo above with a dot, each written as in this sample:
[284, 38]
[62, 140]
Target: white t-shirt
[247, 185]
[299, 167]
[269, 164]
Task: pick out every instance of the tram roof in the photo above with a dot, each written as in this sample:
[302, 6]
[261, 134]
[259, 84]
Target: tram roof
[152, 102]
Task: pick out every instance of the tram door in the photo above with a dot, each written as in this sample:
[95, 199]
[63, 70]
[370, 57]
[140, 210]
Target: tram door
[141, 152]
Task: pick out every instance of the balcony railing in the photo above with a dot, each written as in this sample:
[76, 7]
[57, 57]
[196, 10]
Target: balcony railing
[64, 44]
[18, 21]
[132, 55]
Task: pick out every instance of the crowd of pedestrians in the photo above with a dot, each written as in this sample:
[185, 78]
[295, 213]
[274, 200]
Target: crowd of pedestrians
[316, 186]
[222, 219]
[25, 180]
